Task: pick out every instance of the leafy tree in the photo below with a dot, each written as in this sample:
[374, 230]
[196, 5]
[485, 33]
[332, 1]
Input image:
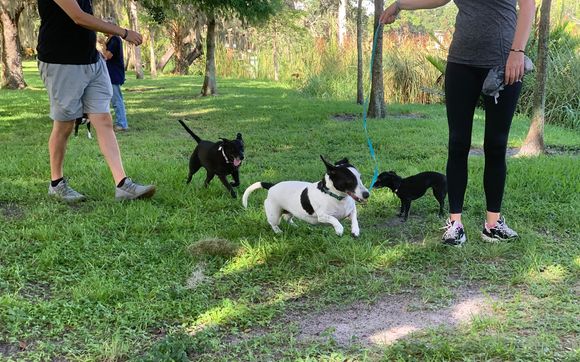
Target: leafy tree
[10, 11]
[377, 108]
[534, 143]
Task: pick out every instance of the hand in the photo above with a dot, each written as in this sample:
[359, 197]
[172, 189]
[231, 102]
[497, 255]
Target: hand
[134, 38]
[390, 14]
[514, 68]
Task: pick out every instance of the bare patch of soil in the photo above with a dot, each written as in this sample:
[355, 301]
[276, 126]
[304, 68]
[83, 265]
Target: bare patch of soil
[8, 350]
[391, 318]
[413, 115]
[11, 211]
[197, 276]
[36, 291]
[550, 150]
[346, 117]
[478, 152]
[350, 117]
[140, 89]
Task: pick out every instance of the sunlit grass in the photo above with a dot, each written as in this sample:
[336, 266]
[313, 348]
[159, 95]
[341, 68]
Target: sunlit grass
[111, 281]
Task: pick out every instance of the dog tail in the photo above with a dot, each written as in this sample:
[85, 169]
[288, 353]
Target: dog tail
[252, 188]
[195, 137]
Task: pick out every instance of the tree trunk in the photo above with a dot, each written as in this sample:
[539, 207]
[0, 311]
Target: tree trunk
[128, 57]
[134, 23]
[152, 62]
[534, 143]
[341, 22]
[377, 98]
[209, 84]
[12, 75]
[179, 46]
[165, 59]
[169, 54]
[275, 54]
[359, 51]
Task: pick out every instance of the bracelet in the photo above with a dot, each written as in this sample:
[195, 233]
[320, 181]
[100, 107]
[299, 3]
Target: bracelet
[518, 50]
[125, 35]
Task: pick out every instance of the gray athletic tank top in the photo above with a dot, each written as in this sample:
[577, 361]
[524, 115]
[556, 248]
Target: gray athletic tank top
[484, 32]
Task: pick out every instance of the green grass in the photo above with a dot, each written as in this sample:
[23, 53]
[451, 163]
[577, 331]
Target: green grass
[109, 281]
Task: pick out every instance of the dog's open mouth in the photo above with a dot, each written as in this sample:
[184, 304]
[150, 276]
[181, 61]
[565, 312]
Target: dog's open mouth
[355, 198]
[237, 162]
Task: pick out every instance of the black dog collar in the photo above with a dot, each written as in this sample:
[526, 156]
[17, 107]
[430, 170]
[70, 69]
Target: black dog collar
[322, 187]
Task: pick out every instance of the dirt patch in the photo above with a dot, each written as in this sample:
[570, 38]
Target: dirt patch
[411, 115]
[141, 89]
[350, 117]
[346, 117]
[478, 152]
[197, 276]
[214, 247]
[36, 291]
[8, 350]
[391, 318]
[563, 150]
[11, 211]
[550, 150]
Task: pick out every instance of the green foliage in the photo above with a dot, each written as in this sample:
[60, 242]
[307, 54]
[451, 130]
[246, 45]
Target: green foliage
[254, 11]
[563, 84]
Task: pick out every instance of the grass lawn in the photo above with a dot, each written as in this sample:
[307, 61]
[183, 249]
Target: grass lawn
[191, 275]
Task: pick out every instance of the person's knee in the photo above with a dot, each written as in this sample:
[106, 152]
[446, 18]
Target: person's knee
[63, 129]
[100, 119]
[458, 145]
[496, 148]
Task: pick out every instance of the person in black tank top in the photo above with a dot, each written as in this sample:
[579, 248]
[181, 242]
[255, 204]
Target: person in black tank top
[488, 33]
[77, 82]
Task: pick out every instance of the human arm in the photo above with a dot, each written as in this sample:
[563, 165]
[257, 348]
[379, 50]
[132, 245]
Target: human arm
[514, 68]
[88, 21]
[390, 13]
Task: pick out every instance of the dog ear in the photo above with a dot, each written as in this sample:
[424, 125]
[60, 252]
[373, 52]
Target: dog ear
[239, 136]
[341, 162]
[329, 167]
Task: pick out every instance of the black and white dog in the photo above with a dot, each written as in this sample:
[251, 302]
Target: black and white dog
[83, 120]
[413, 187]
[218, 158]
[327, 201]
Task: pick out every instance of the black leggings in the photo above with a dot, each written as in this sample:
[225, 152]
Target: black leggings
[462, 90]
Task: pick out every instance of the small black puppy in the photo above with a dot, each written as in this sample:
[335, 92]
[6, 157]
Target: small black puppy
[83, 120]
[413, 187]
[218, 158]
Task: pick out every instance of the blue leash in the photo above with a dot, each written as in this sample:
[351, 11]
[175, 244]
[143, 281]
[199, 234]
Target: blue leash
[366, 105]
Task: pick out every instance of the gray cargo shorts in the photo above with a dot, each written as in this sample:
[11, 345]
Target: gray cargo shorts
[74, 89]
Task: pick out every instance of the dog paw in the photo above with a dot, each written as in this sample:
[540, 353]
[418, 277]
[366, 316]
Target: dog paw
[276, 229]
[339, 231]
[355, 235]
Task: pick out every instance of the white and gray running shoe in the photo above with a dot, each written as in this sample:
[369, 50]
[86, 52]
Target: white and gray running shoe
[131, 191]
[64, 192]
[500, 232]
[454, 234]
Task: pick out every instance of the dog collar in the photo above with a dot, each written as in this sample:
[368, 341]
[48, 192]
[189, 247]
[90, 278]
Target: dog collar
[224, 154]
[327, 191]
